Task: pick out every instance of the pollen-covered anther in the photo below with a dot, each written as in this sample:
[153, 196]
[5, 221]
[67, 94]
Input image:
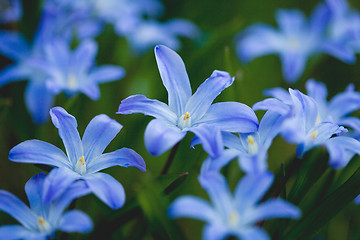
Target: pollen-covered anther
[82, 160]
[250, 139]
[186, 115]
[184, 121]
[314, 134]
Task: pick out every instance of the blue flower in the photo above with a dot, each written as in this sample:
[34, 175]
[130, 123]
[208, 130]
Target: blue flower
[10, 11]
[74, 72]
[187, 112]
[251, 149]
[233, 214]
[38, 99]
[84, 157]
[42, 219]
[149, 33]
[343, 38]
[296, 40]
[303, 125]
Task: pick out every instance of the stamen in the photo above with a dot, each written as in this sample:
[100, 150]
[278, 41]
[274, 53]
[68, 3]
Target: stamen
[252, 145]
[234, 218]
[313, 134]
[80, 166]
[184, 121]
[186, 115]
[43, 225]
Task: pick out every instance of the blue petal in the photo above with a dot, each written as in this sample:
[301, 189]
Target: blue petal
[123, 157]
[192, 207]
[97, 136]
[215, 231]
[269, 128]
[200, 102]
[174, 76]
[274, 208]
[13, 206]
[254, 164]
[251, 43]
[232, 141]
[13, 232]
[319, 19]
[252, 233]
[38, 100]
[341, 150]
[182, 27]
[36, 151]
[215, 164]
[210, 138]
[68, 132]
[75, 190]
[159, 136]
[272, 104]
[290, 21]
[344, 103]
[352, 122]
[316, 90]
[34, 192]
[216, 187]
[293, 65]
[13, 45]
[106, 73]
[251, 188]
[84, 55]
[279, 93]
[357, 200]
[152, 107]
[107, 189]
[231, 116]
[58, 53]
[13, 73]
[57, 182]
[91, 90]
[75, 221]
[340, 51]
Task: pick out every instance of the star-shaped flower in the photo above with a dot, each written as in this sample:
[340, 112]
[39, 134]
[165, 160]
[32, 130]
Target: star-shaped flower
[189, 112]
[84, 157]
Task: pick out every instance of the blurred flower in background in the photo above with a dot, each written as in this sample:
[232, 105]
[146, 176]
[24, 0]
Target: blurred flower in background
[10, 11]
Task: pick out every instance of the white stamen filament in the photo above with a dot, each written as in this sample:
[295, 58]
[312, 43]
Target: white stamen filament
[43, 225]
[252, 145]
[184, 121]
[80, 166]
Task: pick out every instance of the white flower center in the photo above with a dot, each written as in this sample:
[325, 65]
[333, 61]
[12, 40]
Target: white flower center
[233, 219]
[252, 145]
[80, 166]
[72, 81]
[43, 225]
[184, 121]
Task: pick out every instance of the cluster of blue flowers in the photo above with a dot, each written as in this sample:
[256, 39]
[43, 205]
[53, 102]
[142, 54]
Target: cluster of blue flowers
[333, 28]
[225, 130]
[50, 64]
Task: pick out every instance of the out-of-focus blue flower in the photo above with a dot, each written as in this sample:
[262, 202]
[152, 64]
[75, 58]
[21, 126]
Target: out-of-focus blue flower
[147, 34]
[339, 108]
[84, 157]
[38, 99]
[186, 112]
[233, 214]
[43, 218]
[10, 11]
[343, 35]
[251, 149]
[357, 200]
[296, 40]
[74, 71]
[303, 125]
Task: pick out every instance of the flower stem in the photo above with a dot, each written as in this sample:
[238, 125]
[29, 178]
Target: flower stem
[170, 159]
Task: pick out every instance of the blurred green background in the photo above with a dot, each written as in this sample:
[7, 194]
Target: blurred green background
[219, 21]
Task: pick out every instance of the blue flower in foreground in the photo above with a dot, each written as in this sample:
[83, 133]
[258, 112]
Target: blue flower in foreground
[42, 219]
[251, 149]
[74, 72]
[187, 112]
[295, 41]
[343, 38]
[10, 11]
[303, 126]
[233, 214]
[84, 158]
